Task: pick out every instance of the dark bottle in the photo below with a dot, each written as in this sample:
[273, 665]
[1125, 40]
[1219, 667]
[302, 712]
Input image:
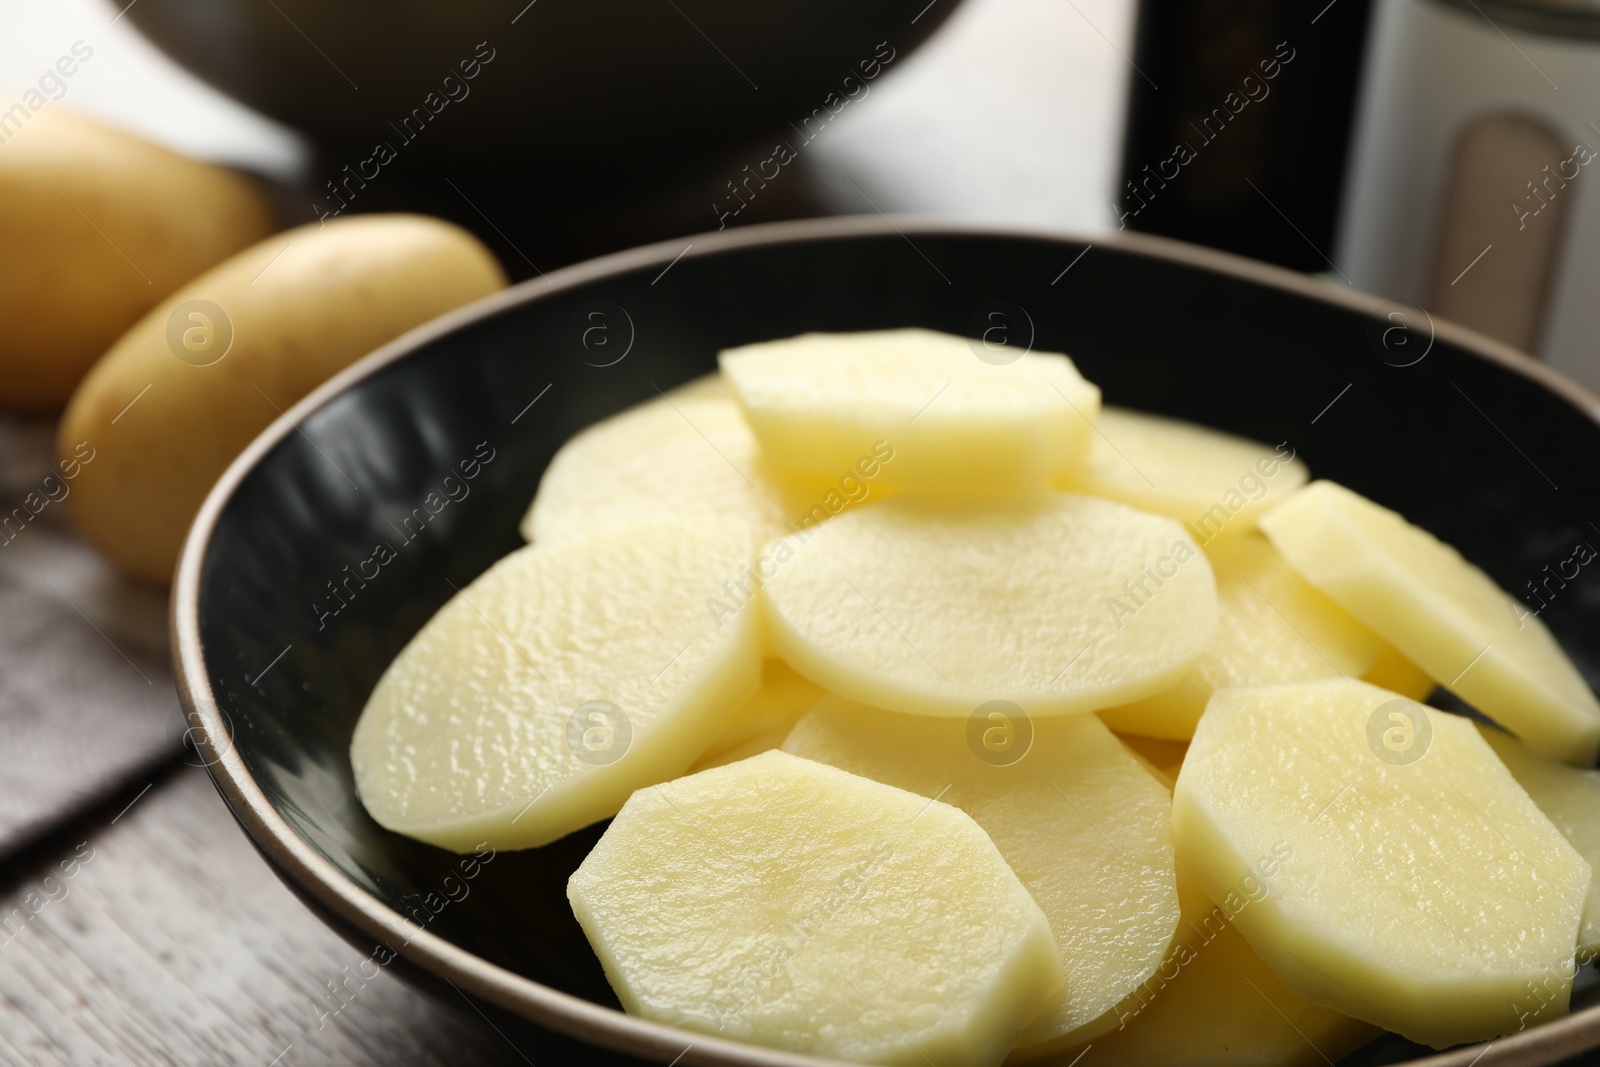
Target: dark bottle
[1239, 124]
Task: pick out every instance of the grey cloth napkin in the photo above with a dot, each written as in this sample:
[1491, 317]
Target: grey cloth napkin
[87, 700]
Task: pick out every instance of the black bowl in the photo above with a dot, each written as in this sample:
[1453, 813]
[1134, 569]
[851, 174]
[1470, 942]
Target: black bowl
[604, 86]
[278, 645]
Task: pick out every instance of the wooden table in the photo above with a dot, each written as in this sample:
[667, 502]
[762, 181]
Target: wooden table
[152, 933]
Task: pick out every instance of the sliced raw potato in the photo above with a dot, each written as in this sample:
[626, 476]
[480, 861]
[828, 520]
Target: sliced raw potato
[1441, 612]
[1428, 897]
[1210, 481]
[1392, 671]
[953, 422]
[784, 696]
[1570, 798]
[1056, 602]
[791, 904]
[674, 455]
[1215, 1003]
[564, 678]
[1272, 626]
[1081, 822]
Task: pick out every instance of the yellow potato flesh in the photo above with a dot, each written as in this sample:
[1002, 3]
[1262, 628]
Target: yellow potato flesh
[99, 226]
[1212, 482]
[1058, 603]
[956, 424]
[784, 696]
[1424, 897]
[791, 904]
[301, 306]
[1272, 626]
[687, 453]
[1441, 612]
[1570, 798]
[1083, 825]
[1214, 1003]
[486, 728]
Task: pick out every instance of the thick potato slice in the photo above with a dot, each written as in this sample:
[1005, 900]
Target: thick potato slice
[184, 391]
[1272, 626]
[1058, 603]
[784, 696]
[1441, 612]
[1214, 1003]
[1425, 891]
[1210, 481]
[561, 680]
[1570, 798]
[788, 903]
[686, 453]
[1081, 822]
[956, 423]
[99, 225]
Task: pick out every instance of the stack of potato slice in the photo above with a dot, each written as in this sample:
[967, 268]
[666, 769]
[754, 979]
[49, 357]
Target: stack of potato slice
[1099, 731]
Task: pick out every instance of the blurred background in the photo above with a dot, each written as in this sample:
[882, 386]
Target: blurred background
[1386, 145]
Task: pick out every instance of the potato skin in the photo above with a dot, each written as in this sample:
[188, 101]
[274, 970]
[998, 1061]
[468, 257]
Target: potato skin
[334, 293]
[98, 226]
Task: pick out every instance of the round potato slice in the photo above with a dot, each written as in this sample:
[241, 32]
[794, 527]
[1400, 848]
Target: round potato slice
[1272, 627]
[561, 680]
[955, 422]
[1442, 613]
[1077, 817]
[1212, 482]
[1382, 859]
[788, 903]
[1057, 603]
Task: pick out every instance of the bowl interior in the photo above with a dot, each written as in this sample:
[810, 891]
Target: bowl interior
[345, 537]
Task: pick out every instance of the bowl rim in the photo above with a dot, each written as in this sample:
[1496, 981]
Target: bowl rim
[574, 1016]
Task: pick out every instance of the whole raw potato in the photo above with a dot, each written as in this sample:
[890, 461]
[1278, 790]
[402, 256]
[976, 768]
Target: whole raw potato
[183, 392]
[98, 226]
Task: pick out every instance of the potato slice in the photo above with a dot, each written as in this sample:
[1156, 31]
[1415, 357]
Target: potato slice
[784, 902]
[1057, 603]
[1443, 613]
[1214, 1003]
[955, 423]
[562, 679]
[1570, 798]
[675, 455]
[1212, 482]
[1081, 822]
[1272, 626]
[784, 696]
[1425, 891]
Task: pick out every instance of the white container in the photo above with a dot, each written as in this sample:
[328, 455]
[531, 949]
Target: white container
[1474, 184]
